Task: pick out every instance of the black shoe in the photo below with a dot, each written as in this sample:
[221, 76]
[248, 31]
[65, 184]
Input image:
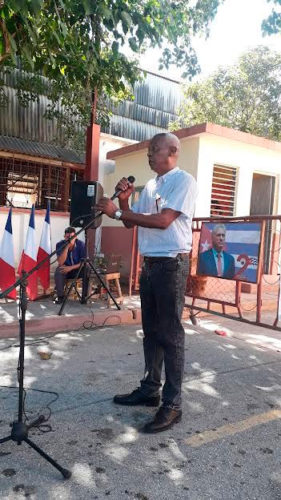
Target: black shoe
[163, 420]
[58, 300]
[136, 398]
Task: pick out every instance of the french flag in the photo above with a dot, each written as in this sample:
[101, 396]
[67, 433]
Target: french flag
[44, 251]
[29, 258]
[7, 259]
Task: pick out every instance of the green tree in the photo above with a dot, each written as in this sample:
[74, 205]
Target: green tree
[272, 25]
[81, 40]
[79, 45]
[245, 96]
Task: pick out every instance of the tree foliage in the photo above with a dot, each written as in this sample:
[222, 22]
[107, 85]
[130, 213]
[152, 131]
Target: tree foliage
[245, 96]
[79, 45]
[272, 25]
[82, 40]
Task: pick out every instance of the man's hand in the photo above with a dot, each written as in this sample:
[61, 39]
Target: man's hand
[71, 243]
[126, 187]
[106, 206]
[65, 269]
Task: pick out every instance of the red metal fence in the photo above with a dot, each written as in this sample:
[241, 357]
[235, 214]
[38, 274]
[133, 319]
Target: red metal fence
[255, 303]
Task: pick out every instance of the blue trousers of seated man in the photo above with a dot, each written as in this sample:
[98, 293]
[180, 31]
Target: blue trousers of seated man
[61, 278]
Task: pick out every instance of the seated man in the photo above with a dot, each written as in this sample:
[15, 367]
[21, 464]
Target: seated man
[69, 259]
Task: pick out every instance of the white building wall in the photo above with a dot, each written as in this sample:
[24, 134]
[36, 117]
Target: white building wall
[246, 158]
[109, 143]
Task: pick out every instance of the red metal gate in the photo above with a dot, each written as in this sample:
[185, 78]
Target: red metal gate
[254, 303]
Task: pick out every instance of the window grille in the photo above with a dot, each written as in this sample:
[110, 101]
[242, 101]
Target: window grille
[223, 191]
[23, 183]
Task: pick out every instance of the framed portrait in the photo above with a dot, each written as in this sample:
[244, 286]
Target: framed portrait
[230, 250]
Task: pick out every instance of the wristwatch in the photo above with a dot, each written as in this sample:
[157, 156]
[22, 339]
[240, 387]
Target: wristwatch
[118, 214]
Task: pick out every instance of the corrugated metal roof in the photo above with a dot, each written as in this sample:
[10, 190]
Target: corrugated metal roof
[16, 145]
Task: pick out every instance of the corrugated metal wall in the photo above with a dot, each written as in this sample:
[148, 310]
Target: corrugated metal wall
[27, 122]
[156, 102]
[155, 105]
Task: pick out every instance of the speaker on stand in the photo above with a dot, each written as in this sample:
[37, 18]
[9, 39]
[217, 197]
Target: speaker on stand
[84, 196]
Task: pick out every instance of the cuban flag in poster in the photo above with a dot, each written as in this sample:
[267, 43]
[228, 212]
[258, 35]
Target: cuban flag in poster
[29, 258]
[242, 242]
[7, 259]
[44, 251]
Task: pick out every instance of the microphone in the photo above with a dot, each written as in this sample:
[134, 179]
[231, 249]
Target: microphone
[130, 179]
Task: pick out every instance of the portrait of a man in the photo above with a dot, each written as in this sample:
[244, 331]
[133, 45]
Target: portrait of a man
[216, 261]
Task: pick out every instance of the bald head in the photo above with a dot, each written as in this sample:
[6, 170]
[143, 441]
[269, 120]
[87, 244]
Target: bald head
[170, 139]
[163, 152]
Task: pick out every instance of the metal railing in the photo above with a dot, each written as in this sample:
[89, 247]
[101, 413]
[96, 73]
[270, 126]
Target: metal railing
[250, 302]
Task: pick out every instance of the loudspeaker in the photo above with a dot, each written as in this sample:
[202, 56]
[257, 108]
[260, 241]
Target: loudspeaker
[84, 196]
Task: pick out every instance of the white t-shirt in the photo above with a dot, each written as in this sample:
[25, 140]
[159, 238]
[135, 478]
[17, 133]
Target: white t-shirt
[176, 190]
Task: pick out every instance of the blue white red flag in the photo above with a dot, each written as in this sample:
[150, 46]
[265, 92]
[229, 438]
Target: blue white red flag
[7, 259]
[242, 242]
[29, 258]
[44, 251]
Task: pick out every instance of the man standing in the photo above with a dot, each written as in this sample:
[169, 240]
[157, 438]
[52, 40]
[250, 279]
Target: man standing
[69, 259]
[164, 214]
[217, 262]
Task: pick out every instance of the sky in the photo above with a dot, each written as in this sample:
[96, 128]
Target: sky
[236, 28]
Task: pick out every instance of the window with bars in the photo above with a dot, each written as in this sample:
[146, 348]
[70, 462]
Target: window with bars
[22, 189]
[223, 191]
[23, 183]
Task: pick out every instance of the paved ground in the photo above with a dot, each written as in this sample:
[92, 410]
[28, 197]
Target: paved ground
[226, 447]
[42, 315]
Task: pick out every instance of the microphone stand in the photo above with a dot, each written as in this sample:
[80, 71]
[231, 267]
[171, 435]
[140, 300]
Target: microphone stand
[19, 432]
[19, 429]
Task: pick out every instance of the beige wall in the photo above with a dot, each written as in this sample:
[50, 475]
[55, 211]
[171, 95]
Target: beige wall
[109, 143]
[188, 159]
[132, 164]
[248, 159]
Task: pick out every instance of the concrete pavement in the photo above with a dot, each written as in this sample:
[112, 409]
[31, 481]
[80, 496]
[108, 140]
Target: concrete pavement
[42, 315]
[226, 447]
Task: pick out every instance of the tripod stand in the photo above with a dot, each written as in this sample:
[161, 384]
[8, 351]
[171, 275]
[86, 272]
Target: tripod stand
[84, 271]
[19, 432]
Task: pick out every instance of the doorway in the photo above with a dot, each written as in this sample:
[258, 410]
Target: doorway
[262, 199]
